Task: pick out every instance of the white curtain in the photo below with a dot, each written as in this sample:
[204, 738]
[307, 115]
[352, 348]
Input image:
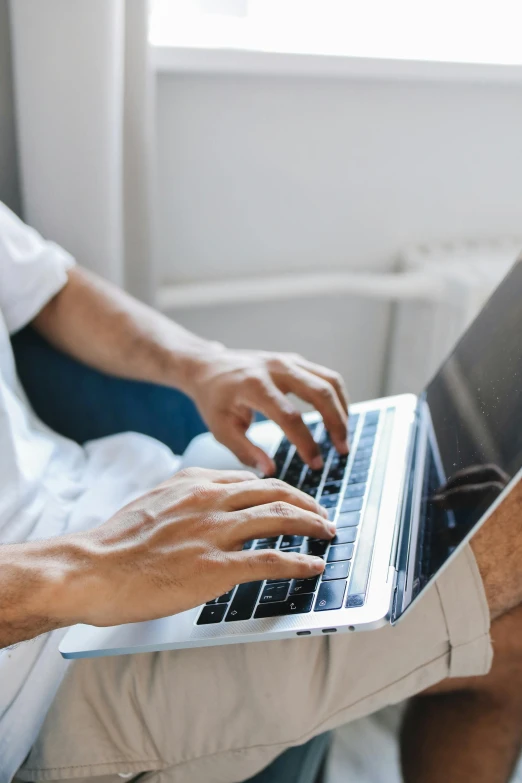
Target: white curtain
[83, 92]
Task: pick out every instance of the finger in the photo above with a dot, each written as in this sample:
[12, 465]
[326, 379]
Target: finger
[216, 476]
[257, 564]
[235, 439]
[322, 395]
[334, 378]
[469, 495]
[233, 476]
[276, 406]
[276, 519]
[261, 492]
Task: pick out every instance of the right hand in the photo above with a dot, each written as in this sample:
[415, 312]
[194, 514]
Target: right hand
[180, 545]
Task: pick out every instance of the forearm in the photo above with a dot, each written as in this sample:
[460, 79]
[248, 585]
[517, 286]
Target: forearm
[37, 583]
[111, 331]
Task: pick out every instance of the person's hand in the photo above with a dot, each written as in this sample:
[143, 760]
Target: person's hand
[181, 545]
[228, 386]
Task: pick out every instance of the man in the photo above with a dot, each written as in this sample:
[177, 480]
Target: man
[74, 552]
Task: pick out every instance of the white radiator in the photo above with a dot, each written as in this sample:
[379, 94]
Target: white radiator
[425, 330]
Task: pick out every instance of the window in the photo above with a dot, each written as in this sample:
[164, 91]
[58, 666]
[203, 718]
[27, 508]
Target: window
[462, 31]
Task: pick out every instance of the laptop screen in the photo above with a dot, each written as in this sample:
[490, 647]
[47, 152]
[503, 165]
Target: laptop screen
[475, 405]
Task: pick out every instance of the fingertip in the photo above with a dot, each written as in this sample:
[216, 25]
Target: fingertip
[316, 565]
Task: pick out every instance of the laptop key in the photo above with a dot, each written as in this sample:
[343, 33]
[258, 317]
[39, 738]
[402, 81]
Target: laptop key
[345, 536]
[348, 519]
[212, 614]
[296, 604]
[225, 598]
[371, 417]
[352, 504]
[316, 546]
[355, 491]
[358, 476]
[340, 552]
[329, 501]
[303, 586]
[336, 570]
[291, 541]
[244, 602]
[273, 593]
[332, 487]
[330, 595]
[331, 513]
[271, 545]
[278, 581]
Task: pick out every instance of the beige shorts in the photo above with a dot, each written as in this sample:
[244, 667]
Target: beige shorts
[221, 714]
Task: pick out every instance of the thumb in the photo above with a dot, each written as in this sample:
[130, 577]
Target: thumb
[235, 439]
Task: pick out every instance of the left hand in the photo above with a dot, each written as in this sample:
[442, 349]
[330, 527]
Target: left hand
[228, 386]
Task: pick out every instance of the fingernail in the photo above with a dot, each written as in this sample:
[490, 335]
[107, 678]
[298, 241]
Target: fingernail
[344, 448]
[317, 463]
[332, 529]
[323, 511]
[317, 563]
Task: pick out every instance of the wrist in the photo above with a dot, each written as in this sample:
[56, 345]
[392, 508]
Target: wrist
[38, 580]
[194, 362]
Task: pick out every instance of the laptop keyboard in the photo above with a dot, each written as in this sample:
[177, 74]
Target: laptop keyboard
[341, 487]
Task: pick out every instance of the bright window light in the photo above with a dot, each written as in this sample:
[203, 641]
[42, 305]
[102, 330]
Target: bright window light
[472, 31]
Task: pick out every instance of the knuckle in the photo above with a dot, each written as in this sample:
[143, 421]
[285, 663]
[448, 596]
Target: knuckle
[203, 492]
[256, 384]
[292, 416]
[188, 473]
[270, 558]
[276, 485]
[325, 392]
[281, 509]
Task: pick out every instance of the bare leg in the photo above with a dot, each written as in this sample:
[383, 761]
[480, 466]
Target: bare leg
[471, 729]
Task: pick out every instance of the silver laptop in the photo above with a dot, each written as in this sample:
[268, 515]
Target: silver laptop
[422, 475]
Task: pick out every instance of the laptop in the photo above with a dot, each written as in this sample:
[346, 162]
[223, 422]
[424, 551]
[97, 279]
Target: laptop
[423, 473]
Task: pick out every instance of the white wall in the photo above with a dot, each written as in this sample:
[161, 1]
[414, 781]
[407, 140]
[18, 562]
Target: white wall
[287, 173]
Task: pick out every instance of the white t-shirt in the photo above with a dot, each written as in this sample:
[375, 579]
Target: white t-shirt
[48, 484]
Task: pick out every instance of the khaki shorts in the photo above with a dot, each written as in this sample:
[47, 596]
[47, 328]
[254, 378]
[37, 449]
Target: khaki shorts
[221, 714]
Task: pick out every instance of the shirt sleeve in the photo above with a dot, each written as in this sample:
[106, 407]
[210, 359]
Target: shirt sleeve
[32, 270]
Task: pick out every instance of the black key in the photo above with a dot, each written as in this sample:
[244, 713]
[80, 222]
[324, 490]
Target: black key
[281, 455]
[312, 478]
[248, 545]
[294, 470]
[345, 536]
[272, 545]
[365, 442]
[278, 581]
[355, 491]
[349, 519]
[293, 549]
[340, 552]
[296, 604]
[225, 598]
[273, 593]
[351, 504]
[316, 546]
[332, 487]
[336, 473]
[303, 586]
[244, 601]
[331, 513]
[291, 541]
[336, 570]
[355, 600]
[267, 540]
[328, 501]
[358, 476]
[212, 614]
[330, 595]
